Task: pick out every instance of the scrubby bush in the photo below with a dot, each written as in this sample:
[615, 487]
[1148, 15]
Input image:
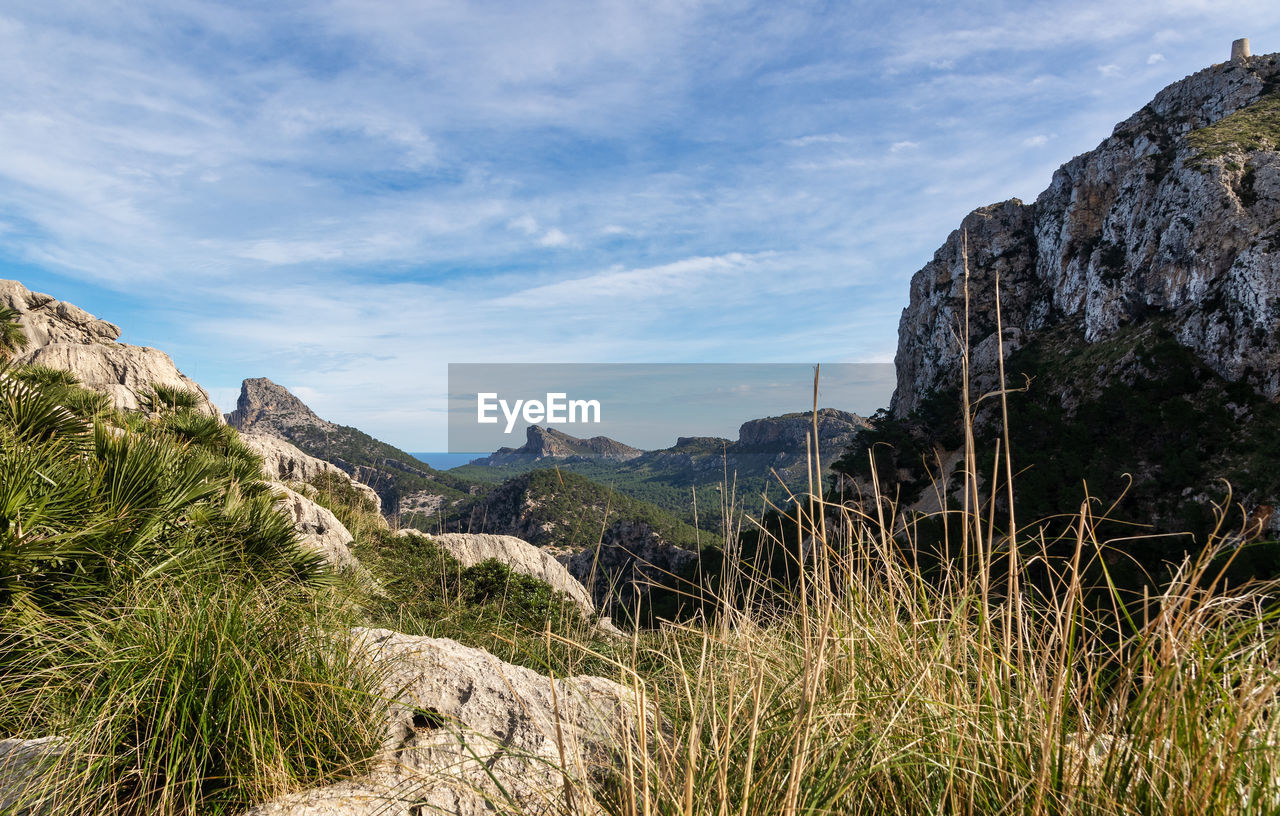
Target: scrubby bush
[158, 613]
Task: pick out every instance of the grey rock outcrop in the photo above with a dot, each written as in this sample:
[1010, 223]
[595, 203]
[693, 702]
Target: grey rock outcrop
[318, 526]
[122, 372]
[835, 428]
[521, 556]
[545, 443]
[470, 734]
[52, 321]
[24, 765]
[630, 560]
[1163, 218]
[282, 462]
[270, 409]
[67, 337]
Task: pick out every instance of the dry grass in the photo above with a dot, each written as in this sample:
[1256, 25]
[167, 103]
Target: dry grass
[1003, 683]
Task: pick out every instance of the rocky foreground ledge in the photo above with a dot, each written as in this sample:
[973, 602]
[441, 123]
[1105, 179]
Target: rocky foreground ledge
[472, 734]
[467, 734]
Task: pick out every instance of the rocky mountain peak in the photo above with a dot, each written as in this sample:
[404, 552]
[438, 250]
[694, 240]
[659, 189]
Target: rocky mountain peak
[791, 430]
[544, 443]
[1171, 217]
[266, 406]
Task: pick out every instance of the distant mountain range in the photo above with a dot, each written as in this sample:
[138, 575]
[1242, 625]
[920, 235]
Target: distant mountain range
[770, 454]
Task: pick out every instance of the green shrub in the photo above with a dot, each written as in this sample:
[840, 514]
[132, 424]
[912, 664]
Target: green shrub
[193, 696]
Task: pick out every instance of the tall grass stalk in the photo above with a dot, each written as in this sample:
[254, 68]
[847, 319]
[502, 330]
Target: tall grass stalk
[1008, 681]
[184, 697]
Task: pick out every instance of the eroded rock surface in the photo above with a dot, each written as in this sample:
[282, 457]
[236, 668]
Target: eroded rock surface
[471, 734]
[521, 556]
[23, 764]
[1172, 216]
[63, 336]
[318, 526]
[283, 462]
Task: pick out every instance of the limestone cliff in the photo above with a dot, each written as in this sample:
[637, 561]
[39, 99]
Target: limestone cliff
[1173, 215]
[1140, 297]
[63, 336]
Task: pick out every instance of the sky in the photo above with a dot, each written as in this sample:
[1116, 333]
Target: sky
[348, 196]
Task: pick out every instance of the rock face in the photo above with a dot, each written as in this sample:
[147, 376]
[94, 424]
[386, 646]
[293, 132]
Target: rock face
[630, 560]
[543, 443]
[120, 371]
[1172, 216]
[470, 734]
[67, 337]
[271, 410]
[521, 556]
[22, 768]
[319, 528]
[49, 321]
[282, 462]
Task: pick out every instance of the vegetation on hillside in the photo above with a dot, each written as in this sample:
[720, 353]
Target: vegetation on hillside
[564, 509]
[1137, 418]
[668, 489]
[393, 473]
[151, 602]
[1252, 128]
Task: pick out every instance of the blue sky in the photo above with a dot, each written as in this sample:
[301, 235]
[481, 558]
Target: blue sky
[347, 196]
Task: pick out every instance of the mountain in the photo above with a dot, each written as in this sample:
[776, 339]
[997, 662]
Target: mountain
[1139, 294]
[410, 490]
[548, 443]
[766, 450]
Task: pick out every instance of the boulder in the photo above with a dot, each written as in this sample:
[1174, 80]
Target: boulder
[282, 462]
[120, 371]
[319, 527]
[470, 734]
[52, 321]
[521, 556]
[23, 764]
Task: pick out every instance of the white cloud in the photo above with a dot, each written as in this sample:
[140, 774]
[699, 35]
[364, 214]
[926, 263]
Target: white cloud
[817, 138]
[553, 238]
[525, 223]
[898, 147]
[1109, 70]
[1155, 59]
[838, 163]
[1038, 140]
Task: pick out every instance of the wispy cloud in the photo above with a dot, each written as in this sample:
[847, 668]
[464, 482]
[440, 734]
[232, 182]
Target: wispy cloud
[553, 238]
[817, 139]
[346, 196]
